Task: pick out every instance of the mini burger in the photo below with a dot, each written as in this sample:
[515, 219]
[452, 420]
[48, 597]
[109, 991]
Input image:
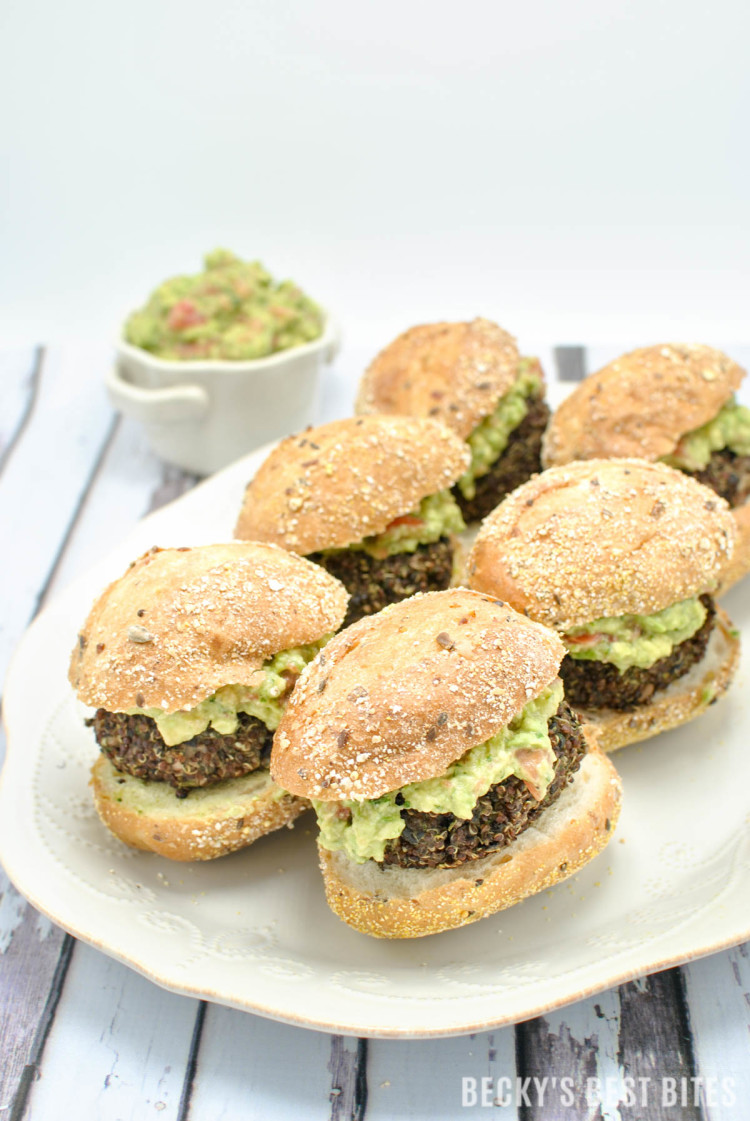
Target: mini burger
[189, 660]
[368, 499]
[673, 403]
[449, 776]
[621, 558]
[472, 378]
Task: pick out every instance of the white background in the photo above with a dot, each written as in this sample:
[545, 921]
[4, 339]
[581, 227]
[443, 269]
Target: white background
[571, 169]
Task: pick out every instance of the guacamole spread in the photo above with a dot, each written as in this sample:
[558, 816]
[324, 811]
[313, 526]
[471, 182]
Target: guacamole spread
[363, 829]
[636, 640]
[730, 428]
[437, 516]
[220, 710]
[490, 437]
[233, 310]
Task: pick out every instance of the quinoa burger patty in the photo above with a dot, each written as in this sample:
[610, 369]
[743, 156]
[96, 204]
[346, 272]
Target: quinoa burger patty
[134, 746]
[445, 841]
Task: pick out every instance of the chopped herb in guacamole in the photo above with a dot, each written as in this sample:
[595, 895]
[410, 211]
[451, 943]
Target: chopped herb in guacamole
[233, 310]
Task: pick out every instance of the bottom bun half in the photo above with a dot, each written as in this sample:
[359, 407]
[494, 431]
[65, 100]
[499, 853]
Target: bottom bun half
[210, 822]
[395, 902]
[683, 700]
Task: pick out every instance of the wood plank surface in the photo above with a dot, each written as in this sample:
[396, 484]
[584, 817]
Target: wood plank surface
[19, 379]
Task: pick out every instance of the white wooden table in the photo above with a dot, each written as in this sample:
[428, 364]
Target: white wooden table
[84, 1037]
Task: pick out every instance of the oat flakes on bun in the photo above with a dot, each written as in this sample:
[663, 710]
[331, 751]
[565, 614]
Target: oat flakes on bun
[189, 660]
[449, 776]
[621, 558]
[472, 378]
[368, 499]
[676, 403]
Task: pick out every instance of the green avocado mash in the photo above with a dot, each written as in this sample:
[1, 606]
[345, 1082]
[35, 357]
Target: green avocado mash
[363, 829]
[437, 516]
[636, 640]
[232, 310]
[730, 428]
[490, 437]
[221, 709]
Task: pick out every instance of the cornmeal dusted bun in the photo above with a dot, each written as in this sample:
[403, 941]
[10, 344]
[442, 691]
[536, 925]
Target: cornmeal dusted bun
[641, 404]
[337, 484]
[397, 697]
[182, 623]
[212, 822]
[739, 564]
[454, 372]
[603, 538]
[391, 902]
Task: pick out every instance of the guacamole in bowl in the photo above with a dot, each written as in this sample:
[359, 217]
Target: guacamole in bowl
[232, 311]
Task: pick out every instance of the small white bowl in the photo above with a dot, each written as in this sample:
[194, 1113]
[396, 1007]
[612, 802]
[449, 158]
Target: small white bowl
[203, 415]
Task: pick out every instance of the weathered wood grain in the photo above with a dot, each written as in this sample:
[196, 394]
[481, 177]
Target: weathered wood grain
[442, 1079]
[718, 996]
[348, 1067]
[117, 1048]
[19, 378]
[258, 1070]
[576, 1051]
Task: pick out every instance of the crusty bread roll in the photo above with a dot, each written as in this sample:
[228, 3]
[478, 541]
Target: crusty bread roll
[455, 372]
[391, 902]
[602, 538]
[738, 565]
[334, 485]
[179, 625]
[211, 822]
[182, 623]
[683, 700]
[641, 404]
[396, 697]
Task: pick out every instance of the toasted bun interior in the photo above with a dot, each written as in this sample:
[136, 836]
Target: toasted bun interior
[398, 696]
[182, 623]
[640, 404]
[603, 538]
[683, 700]
[210, 822]
[394, 902]
[331, 486]
[455, 372]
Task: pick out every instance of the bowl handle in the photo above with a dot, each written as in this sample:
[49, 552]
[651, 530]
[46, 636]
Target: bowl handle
[156, 406]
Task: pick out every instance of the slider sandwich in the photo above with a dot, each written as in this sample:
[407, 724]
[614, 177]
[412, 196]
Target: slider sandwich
[189, 660]
[621, 558]
[472, 378]
[449, 775]
[673, 403]
[368, 499]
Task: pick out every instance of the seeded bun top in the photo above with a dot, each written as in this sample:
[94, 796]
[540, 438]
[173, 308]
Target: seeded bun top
[602, 538]
[641, 404]
[398, 696]
[455, 372]
[331, 486]
[181, 623]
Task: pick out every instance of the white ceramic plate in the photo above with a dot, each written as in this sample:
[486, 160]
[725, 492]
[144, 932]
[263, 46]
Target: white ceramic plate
[252, 930]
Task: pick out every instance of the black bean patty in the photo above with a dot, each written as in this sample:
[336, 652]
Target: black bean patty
[443, 841]
[517, 463]
[728, 474]
[133, 744]
[592, 684]
[373, 584]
